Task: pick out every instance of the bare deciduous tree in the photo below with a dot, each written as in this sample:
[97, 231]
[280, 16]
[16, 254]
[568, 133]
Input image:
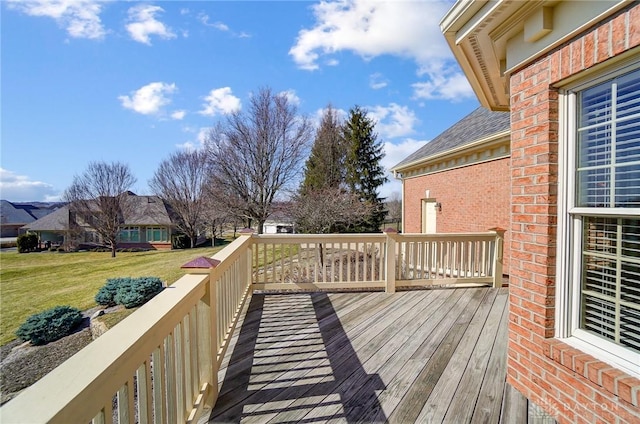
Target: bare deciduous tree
[328, 210]
[256, 155]
[394, 208]
[180, 182]
[99, 198]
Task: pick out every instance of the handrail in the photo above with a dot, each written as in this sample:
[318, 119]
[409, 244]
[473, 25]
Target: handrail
[161, 363]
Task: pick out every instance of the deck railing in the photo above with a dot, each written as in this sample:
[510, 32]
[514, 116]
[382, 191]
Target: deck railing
[160, 365]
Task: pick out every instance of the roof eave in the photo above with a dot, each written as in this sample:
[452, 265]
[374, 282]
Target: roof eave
[482, 144]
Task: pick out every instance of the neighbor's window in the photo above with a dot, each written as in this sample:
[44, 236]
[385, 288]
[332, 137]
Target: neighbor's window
[157, 234]
[130, 234]
[604, 213]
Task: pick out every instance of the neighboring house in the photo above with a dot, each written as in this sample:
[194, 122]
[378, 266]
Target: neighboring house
[460, 180]
[279, 222]
[149, 224]
[568, 72]
[15, 215]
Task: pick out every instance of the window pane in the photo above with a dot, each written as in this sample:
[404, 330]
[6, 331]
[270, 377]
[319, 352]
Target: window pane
[593, 187]
[628, 141]
[596, 105]
[628, 186]
[599, 317]
[628, 95]
[630, 328]
[594, 146]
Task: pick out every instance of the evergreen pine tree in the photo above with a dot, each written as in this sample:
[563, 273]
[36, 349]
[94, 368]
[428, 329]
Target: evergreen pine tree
[325, 166]
[364, 173]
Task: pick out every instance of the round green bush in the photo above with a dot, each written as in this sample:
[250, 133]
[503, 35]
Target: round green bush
[107, 293]
[140, 291]
[50, 325]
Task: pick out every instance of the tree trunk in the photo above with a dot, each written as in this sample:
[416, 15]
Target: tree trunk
[113, 250]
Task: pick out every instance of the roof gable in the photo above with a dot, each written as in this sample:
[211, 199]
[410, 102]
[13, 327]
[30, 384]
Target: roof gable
[478, 125]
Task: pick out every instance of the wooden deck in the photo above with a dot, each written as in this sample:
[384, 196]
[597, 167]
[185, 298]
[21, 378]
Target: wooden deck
[427, 356]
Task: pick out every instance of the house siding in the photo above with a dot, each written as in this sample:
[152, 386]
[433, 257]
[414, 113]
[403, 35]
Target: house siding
[570, 385]
[480, 191]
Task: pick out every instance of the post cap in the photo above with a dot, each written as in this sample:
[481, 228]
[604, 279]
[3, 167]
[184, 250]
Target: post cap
[201, 263]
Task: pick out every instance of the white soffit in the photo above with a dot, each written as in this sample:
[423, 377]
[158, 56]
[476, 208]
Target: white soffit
[492, 38]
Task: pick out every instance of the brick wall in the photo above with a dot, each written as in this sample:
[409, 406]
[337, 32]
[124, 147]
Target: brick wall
[474, 198]
[572, 386]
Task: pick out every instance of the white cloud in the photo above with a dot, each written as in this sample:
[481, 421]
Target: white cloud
[204, 18]
[187, 145]
[201, 137]
[408, 29]
[20, 188]
[443, 83]
[291, 96]
[178, 114]
[394, 153]
[143, 23]
[393, 120]
[220, 101]
[81, 18]
[377, 81]
[149, 99]
[202, 134]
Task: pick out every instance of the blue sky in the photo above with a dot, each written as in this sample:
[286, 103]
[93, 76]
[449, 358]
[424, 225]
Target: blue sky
[133, 82]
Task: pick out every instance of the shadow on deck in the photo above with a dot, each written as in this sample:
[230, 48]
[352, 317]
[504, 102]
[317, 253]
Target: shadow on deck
[416, 356]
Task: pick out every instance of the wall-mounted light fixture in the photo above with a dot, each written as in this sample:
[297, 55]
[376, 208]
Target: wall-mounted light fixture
[438, 206]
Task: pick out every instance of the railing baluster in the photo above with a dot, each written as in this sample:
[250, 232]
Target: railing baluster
[143, 380]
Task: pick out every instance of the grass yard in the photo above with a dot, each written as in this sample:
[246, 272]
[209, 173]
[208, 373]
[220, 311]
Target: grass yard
[33, 282]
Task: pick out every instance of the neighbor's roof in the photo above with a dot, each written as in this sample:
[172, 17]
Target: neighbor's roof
[147, 210]
[57, 220]
[9, 214]
[142, 210]
[479, 124]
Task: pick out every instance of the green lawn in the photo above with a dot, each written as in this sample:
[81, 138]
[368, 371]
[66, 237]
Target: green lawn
[33, 282]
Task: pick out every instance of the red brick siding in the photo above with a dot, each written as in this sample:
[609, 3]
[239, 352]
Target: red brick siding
[474, 198]
[572, 386]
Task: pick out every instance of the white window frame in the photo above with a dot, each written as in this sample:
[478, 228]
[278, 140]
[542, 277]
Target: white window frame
[568, 269]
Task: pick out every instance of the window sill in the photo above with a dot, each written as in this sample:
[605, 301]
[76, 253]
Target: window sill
[613, 380]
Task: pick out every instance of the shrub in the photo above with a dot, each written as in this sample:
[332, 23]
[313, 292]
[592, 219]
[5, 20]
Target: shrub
[129, 292]
[139, 292]
[107, 293]
[27, 242]
[50, 325]
[181, 241]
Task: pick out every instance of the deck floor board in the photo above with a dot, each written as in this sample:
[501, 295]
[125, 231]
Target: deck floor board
[414, 356]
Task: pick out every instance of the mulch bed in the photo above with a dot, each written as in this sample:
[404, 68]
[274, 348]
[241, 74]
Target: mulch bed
[23, 364]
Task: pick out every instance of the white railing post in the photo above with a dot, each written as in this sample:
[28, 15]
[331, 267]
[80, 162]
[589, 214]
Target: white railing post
[390, 267]
[248, 232]
[207, 333]
[498, 258]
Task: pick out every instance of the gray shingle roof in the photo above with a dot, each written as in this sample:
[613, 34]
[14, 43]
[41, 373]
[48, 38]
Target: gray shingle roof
[10, 214]
[479, 124]
[142, 210]
[147, 210]
[57, 220]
